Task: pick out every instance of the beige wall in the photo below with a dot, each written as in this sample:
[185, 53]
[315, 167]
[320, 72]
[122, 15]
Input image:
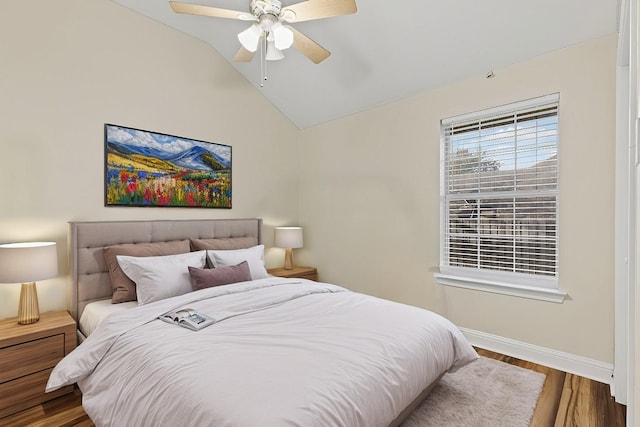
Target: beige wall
[370, 200]
[69, 66]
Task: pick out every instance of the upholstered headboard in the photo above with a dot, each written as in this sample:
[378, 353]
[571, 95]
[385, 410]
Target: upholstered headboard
[89, 275]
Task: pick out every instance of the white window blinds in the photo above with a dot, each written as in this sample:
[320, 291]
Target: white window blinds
[500, 189]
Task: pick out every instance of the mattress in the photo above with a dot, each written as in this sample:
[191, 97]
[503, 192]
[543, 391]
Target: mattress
[97, 311]
[283, 352]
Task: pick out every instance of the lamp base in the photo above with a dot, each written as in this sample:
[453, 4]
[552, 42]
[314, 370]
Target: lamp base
[288, 259]
[28, 311]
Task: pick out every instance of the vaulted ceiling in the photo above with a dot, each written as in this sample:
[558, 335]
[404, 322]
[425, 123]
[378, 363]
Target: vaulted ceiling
[391, 50]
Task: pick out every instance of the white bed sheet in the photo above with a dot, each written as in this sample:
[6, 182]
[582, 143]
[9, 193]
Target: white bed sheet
[285, 352]
[95, 312]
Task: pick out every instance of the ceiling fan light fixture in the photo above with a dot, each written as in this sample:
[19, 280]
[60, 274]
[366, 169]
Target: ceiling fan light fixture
[270, 16]
[250, 37]
[283, 36]
[273, 53]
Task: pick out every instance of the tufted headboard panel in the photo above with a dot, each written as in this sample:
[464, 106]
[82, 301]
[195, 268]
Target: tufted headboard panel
[87, 267]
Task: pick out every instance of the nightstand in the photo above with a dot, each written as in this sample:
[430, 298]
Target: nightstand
[296, 272]
[28, 354]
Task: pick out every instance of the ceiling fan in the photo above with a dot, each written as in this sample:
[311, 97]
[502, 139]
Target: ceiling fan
[270, 19]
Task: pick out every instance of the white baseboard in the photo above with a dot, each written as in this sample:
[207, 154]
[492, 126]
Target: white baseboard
[567, 362]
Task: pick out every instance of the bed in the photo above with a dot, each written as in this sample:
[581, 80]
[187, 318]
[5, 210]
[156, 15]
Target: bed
[282, 352]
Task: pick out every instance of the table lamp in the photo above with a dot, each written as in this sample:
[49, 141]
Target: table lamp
[25, 263]
[288, 238]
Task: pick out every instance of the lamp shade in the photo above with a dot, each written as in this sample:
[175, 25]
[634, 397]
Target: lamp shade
[273, 54]
[28, 262]
[250, 37]
[283, 36]
[288, 237]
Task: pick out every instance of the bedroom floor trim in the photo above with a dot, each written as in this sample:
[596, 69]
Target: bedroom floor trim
[567, 362]
[566, 400]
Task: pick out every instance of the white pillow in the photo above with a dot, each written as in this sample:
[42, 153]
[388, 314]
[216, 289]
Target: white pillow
[254, 257]
[160, 277]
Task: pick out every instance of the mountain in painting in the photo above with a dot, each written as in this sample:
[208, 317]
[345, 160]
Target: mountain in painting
[194, 158]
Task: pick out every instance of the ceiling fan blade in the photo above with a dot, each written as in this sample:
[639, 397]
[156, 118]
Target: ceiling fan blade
[319, 9]
[308, 47]
[195, 9]
[243, 55]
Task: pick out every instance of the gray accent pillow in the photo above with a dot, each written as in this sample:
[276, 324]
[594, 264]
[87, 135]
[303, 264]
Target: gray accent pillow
[123, 288]
[209, 277]
[223, 243]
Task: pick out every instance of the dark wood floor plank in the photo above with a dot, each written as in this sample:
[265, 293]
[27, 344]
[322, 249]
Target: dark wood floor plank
[589, 403]
[566, 400]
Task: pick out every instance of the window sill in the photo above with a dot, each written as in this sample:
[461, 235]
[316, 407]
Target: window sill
[532, 292]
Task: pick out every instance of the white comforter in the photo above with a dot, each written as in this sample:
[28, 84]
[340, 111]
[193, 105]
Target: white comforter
[286, 352]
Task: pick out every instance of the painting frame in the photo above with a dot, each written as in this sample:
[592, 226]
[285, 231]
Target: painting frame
[144, 168]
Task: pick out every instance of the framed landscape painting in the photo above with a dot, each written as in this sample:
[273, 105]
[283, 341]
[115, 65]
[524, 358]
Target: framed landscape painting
[144, 168]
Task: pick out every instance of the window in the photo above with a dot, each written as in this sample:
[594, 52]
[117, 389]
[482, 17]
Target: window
[499, 199]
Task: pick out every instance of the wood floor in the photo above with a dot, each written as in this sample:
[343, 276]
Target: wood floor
[566, 400]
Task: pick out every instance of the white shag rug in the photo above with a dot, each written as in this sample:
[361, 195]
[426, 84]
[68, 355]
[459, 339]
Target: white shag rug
[486, 392]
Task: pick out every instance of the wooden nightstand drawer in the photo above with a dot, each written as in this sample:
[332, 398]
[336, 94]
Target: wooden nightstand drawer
[32, 356]
[309, 276]
[27, 391]
[309, 273]
[28, 354]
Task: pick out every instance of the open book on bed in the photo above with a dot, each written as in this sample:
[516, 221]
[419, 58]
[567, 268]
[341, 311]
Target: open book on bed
[188, 318]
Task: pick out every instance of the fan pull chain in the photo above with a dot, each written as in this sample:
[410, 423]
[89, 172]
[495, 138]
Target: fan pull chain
[263, 60]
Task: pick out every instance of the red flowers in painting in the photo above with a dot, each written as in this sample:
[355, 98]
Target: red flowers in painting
[195, 189]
